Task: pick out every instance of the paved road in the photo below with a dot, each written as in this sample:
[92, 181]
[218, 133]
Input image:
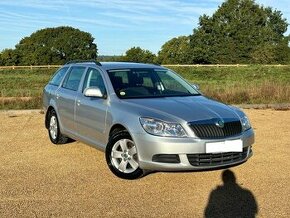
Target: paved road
[43, 180]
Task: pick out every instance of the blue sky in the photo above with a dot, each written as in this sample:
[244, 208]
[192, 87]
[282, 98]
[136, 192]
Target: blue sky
[116, 25]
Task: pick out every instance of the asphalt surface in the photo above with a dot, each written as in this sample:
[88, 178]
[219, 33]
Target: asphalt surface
[39, 179]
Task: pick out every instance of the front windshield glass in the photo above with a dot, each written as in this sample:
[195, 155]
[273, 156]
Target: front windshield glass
[149, 83]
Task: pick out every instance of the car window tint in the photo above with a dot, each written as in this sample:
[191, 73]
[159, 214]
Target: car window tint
[141, 78]
[73, 78]
[123, 75]
[58, 76]
[119, 78]
[94, 79]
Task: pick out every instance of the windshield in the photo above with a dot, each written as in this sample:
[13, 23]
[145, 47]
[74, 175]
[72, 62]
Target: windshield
[149, 83]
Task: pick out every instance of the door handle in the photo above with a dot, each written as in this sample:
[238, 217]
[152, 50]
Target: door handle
[57, 96]
[78, 102]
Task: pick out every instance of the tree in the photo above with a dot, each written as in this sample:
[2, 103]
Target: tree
[282, 51]
[139, 55]
[175, 51]
[240, 31]
[110, 58]
[9, 57]
[56, 46]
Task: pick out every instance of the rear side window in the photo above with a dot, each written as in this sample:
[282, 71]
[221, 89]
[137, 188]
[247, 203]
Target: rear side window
[58, 76]
[73, 78]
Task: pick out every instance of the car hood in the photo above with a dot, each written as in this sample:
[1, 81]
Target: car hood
[191, 108]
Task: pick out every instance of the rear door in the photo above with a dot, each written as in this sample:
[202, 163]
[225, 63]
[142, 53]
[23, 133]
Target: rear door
[52, 86]
[66, 97]
[91, 111]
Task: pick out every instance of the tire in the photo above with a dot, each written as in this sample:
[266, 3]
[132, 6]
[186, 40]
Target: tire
[121, 156]
[55, 136]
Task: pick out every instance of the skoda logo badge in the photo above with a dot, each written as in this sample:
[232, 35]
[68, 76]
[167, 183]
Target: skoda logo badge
[220, 123]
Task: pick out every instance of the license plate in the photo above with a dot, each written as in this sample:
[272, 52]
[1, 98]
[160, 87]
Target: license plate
[224, 146]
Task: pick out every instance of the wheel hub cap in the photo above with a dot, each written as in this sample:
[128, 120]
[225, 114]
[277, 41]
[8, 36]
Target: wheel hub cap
[124, 156]
[53, 127]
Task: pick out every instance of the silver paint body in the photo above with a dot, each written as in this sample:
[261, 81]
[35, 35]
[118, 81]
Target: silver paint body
[90, 119]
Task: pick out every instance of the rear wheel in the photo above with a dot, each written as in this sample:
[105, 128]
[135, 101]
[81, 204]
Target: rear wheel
[121, 156]
[56, 137]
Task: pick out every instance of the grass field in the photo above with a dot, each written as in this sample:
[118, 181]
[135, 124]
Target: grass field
[241, 85]
[23, 83]
[234, 85]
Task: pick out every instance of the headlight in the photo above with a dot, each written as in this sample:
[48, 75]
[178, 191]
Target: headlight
[245, 123]
[161, 128]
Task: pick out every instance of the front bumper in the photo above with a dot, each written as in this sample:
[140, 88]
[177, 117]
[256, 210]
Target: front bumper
[149, 145]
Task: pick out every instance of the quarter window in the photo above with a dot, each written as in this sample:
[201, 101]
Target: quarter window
[73, 78]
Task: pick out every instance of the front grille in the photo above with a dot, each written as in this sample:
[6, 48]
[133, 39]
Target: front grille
[216, 159]
[210, 130]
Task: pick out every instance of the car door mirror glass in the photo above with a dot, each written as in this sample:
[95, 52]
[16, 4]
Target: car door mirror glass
[93, 92]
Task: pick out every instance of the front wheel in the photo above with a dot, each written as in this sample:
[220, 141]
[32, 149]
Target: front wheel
[121, 156]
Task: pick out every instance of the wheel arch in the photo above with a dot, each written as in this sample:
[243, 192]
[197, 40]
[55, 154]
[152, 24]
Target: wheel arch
[116, 128]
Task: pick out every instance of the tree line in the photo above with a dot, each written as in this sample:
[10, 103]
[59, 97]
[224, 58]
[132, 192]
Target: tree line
[240, 31]
[51, 46]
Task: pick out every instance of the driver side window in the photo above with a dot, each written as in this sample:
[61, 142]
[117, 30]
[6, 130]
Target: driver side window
[94, 79]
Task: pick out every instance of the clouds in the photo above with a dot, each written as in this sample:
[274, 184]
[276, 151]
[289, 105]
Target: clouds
[130, 10]
[116, 24]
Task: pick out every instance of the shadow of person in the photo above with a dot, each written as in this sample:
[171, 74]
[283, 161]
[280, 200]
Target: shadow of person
[231, 200]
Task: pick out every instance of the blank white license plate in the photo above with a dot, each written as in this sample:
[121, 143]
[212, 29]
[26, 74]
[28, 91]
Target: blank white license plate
[224, 146]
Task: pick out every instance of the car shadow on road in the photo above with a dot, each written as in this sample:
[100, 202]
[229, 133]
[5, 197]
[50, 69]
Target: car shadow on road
[231, 200]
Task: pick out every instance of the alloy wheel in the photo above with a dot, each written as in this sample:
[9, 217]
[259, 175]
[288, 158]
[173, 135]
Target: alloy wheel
[53, 127]
[124, 156]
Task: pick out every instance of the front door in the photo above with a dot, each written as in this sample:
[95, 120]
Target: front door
[91, 112]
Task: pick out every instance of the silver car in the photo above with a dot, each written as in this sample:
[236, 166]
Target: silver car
[145, 118]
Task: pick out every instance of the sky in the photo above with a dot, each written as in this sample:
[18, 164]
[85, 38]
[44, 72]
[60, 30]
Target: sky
[116, 25]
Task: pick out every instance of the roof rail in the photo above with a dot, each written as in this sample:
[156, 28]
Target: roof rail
[83, 61]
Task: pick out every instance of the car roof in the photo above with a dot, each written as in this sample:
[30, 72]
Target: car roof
[118, 65]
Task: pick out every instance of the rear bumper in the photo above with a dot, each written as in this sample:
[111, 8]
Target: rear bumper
[184, 149]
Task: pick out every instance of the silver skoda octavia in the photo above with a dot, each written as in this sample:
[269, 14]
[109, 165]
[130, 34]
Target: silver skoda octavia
[144, 117]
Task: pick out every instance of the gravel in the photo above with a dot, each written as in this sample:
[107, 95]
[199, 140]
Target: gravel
[39, 179]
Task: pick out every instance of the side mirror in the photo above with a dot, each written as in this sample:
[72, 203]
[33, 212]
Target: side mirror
[93, 92]
[195, 86]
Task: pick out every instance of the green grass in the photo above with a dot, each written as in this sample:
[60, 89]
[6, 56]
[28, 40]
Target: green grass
[235, 85]
[23, 82]
[235, 75]
[241, 85]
